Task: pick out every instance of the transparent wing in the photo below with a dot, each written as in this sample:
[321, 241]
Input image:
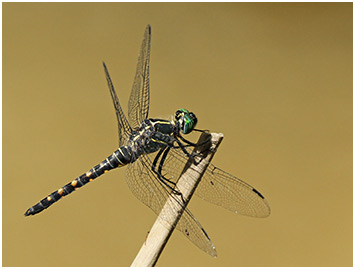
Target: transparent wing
[138, 105]
[220, 188]
[124, 129]
[145, 185]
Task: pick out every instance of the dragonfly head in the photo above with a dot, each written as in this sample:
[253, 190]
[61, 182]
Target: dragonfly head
[187, 120]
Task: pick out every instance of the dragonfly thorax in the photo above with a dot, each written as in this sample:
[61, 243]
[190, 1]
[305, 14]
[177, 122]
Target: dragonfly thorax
[186, 120]
[151, 135]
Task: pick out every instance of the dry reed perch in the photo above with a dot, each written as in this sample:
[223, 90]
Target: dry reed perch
[189, 179]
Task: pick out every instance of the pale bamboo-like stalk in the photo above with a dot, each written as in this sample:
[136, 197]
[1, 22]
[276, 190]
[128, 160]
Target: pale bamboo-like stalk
[189, 179]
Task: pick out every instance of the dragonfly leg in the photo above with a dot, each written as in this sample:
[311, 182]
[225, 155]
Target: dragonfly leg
[158, 172]
[202, 131]
[156, 158]
[162, 160]
[182, 147]
[187, 141]
[189, 144]
[192, 144]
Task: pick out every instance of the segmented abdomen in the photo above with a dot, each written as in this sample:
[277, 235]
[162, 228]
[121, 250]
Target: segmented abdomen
[119, 158]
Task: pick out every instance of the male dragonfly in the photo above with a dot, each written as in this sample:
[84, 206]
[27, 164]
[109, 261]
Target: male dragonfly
[156, 152]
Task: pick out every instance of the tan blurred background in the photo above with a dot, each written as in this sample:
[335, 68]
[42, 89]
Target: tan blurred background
[276, 79]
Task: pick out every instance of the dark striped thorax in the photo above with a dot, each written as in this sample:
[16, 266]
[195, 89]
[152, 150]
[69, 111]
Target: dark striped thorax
[151, 135]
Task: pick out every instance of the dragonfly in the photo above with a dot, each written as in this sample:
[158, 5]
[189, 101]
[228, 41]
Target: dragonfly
[155, 152]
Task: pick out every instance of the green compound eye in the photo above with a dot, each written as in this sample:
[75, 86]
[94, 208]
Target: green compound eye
[181, 112]
[186, 119]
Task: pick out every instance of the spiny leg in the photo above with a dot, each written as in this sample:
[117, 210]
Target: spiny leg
[162, 178]
[199, 130]
[162, 161]
[189, 143]
[156, 158]
[182, 147]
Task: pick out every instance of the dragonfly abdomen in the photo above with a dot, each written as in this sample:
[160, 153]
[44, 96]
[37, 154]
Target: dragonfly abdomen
[120, 157]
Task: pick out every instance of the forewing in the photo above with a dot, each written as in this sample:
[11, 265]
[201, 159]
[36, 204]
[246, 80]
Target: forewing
[124, 129]
[145, 185]
[138, 105]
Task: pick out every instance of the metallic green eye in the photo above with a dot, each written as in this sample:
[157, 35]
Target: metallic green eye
[186, 119]
[180, 112]
[190, 122]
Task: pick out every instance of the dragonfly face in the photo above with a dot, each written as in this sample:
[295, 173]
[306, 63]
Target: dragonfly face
[187, 120]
